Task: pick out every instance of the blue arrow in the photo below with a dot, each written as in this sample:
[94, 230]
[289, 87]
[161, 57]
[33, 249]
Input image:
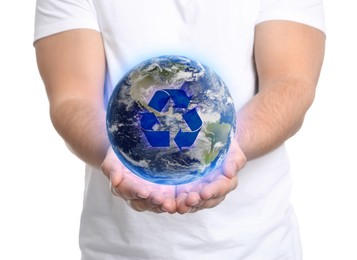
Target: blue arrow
[161, 97]
[162, 138]
[179, 96]
[185, 139]
[159, 100]
[155, 138]
[158, 138]
[148, 120]
[192, 119]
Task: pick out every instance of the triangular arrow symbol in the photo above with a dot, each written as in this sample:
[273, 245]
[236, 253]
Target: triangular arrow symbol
[148, 120]
[185, 139]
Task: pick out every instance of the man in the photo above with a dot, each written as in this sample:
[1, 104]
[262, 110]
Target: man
[268, 52]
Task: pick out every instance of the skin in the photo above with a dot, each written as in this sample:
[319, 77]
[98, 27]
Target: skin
[288, 59]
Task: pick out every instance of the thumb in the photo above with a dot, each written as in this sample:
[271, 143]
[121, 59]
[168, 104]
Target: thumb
[112, 167]
[234, 161]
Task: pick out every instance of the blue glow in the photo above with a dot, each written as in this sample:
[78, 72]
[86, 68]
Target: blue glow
[170, 120]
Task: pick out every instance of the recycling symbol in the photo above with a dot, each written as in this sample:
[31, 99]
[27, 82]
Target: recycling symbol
[162, 138]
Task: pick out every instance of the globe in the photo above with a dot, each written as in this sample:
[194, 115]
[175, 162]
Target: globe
[170, 120]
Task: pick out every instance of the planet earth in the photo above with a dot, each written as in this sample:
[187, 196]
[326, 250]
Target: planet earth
[170, 120]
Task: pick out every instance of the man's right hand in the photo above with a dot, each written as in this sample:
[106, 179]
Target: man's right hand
[138, 193]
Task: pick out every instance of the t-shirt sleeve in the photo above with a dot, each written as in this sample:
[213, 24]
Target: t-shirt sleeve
[54, 16]
[309, 12]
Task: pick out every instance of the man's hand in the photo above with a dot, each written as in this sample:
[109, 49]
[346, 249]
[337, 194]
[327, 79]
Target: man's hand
[139, 194]
[211, 190]
[207, 192]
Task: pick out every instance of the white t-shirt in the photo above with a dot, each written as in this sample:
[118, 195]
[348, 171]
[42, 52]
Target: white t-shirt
[255, 221]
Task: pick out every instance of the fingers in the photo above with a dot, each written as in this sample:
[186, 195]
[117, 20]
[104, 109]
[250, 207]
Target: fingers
[139, 194]
[220, 187]
[144, 196]
[141, 205]
[207, 204]
[205, 194]
[130, 189]
[192, 197]
[186, 202]
[201, 196]
[184, 206]
[155, 203]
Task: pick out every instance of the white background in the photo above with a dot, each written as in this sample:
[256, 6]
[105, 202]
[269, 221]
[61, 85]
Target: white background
[41, 183]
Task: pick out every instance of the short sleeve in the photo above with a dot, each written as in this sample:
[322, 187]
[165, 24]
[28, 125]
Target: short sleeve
[309, 12]
[54, 16]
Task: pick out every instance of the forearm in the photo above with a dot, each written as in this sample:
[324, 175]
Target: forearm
[81, 123]
[288, 58]
[275, 114]
[72, 66]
